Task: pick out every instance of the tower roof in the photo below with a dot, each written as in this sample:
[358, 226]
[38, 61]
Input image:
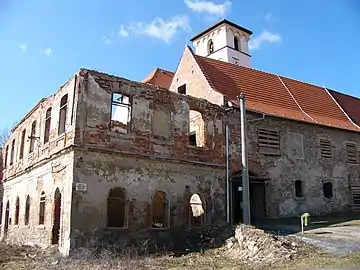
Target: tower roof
[220, 23]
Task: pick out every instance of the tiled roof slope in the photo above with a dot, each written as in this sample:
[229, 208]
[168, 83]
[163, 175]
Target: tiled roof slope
[351, 105]
[274, 95]
[160, 77]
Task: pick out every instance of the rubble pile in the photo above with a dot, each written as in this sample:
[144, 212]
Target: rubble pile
[256, 246]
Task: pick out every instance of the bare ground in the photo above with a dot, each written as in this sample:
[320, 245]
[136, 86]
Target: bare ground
[21, 257]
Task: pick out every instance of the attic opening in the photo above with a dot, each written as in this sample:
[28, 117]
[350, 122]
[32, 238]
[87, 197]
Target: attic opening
[120, 112]
[182, 89]
[196, 129]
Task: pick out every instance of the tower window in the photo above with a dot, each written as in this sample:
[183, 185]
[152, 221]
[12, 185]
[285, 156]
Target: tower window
[210, 47]
[236, 43]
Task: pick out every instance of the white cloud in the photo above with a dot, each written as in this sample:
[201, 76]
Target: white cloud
[203, 6]
[268, 16]
[47, 52]
[265, 37]
[107, 40]
[23, 47]
[123, 32]
[159, 28]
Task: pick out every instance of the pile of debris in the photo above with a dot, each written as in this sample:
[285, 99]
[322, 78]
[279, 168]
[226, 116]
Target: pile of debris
[257, 246]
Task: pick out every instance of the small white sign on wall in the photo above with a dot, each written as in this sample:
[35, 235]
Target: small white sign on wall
[80, 187]
[240, 189]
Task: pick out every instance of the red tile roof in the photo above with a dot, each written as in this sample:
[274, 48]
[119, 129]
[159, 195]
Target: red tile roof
[160, 77]
[273, 94]
[351, 105]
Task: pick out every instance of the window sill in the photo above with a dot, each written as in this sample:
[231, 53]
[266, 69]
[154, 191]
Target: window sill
[40, 227]
[300, 198]
[160, 229]
[117, 228]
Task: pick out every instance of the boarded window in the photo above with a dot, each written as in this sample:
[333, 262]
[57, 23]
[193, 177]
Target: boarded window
[120, 113]
[160, 210]
[299, 189]
[295, 145]
[22, 144]
[47, 125]
[328, 190]
[197, 212]
[6, 156]
[62, 114]
[32, 137]
[161, 123]
[182, 89]
[269, 141]
[351, 152]
[325, 149]
[42, 208]
[27, 210]
[196, 129]
[17, 210]
[116, 208]
[12, 153]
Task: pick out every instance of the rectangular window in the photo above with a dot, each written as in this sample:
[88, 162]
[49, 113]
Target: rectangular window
[351, 152]
[182, 89]
[120, 113]
[268, 141]
[32, 137]
[47, 125]
[325, 149]
[22, 144]
[62, 114]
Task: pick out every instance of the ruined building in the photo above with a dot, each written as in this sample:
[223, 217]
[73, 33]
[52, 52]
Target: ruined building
[108, 159]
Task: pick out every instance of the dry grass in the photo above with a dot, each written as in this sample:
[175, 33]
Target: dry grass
[12, 257]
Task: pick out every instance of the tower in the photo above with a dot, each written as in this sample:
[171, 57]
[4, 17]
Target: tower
[225, 41]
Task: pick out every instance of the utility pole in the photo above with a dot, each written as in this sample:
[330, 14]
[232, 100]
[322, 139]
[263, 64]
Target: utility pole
[244, 161]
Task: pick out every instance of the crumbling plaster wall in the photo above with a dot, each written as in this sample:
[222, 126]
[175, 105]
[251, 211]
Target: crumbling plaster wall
[47, 177]
[283, 170]
[151, 156]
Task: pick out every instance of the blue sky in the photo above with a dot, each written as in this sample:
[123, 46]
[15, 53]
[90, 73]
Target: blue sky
[43, 43]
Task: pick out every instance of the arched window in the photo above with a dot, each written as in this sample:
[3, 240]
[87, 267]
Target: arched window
[210, 46]
[62, 114]
[12, 153]
[236, 43]
[17, 210]
[27, 210]
[6, 156]
[42, 208]
[328, 190]
[299, 188]
[47, 125]
[197, 211]
[116, 208]
[160, 210]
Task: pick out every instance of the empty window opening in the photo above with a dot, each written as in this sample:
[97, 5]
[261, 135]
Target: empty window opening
[42, 208]
[236, 43]
[56, 218]
[197, 212]
[116, 208]
[325, 149]
[269, 141]
[120, 113]
[27, 210]
[17, 210]
[182, 89]
[32, 137]
[160, 210]
[22, 144]
[328, 190]
[196, 129]
[299, 189]
[62, 114]
[351, 153]
[210, 46]
[6, 156]
[7, 217]
[12, 153]
[47, 125]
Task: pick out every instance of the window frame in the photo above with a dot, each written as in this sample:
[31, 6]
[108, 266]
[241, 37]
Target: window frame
[121, 104]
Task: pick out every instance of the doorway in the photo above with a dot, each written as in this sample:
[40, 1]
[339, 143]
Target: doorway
[7, 216]
[56, 218]
[257, 198]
